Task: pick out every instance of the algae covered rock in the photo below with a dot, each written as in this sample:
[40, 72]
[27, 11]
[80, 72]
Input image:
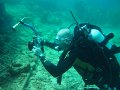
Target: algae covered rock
[17, 68]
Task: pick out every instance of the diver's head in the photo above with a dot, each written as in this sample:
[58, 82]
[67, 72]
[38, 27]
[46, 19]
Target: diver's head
[64, 38]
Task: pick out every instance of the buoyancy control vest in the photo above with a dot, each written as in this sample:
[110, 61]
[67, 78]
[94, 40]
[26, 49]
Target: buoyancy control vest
[86, 32]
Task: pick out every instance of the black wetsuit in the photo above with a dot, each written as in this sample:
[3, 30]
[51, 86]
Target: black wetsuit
[88, 55]
[105, 72]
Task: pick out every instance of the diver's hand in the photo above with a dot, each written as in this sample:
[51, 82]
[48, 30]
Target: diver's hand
[37, 51]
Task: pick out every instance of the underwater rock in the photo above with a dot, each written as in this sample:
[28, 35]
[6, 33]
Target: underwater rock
[17, 68]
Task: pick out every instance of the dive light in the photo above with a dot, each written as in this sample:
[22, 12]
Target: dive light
[13, 28]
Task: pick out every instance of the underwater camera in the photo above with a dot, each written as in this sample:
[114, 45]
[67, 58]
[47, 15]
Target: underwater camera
[37, 40]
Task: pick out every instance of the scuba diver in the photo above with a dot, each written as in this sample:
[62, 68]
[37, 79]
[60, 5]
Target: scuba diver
[89, 51]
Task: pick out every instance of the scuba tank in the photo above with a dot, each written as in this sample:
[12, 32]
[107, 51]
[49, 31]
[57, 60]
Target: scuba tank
[98, 37]
[114, 54]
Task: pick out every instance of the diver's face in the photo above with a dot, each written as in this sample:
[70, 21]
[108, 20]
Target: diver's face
[63, 43]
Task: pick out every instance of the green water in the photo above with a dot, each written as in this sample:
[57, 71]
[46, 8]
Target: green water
[48, 16]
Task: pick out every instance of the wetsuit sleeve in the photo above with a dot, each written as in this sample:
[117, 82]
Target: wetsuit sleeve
[52, 45]
[61, 67]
